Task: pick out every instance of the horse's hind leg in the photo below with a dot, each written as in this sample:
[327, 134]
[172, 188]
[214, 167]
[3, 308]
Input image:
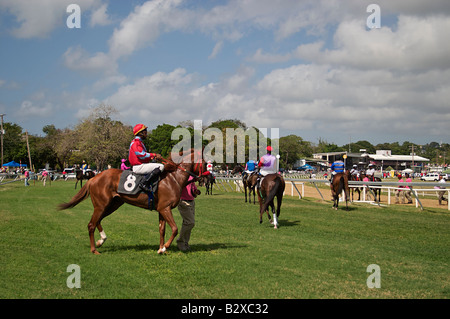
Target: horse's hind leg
[165, 215]
[94, 222]
[275, 215]
[101, 212]
[103, 237]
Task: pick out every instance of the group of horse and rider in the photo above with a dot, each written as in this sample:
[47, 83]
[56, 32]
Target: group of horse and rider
[340, 177]
[161, 184]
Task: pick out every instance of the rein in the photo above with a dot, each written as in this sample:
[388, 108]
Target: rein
[199, 164]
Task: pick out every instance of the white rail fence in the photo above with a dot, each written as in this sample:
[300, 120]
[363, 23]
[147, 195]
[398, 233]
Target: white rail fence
[298, 188]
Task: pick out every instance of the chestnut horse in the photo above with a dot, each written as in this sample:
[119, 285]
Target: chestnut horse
[340, 183]
[104, 196]
[271, 185]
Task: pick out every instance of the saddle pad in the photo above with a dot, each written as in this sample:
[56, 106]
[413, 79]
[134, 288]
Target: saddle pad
[129, 183]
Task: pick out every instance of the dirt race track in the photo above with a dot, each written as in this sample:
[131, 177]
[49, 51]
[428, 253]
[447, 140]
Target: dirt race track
[430, 201]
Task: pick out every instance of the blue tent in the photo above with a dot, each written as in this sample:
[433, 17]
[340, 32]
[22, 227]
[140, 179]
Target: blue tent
[14, 164]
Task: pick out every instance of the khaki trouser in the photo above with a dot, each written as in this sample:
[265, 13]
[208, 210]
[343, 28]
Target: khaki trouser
[408, 195]
[187, 212]
[399, 194]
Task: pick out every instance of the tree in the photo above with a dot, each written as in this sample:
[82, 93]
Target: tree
[325, 147]
[243, 143]
[102, 140]
[292, 148]
[160, 139]
[14, 146]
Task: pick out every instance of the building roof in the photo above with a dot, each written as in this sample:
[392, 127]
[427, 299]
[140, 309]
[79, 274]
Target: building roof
[400, 158]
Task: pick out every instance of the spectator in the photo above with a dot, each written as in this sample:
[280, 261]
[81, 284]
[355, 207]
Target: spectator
[44, 176]
[408, 189]
[441, 193]
[124, 167]
[399, 192]
[27, 177]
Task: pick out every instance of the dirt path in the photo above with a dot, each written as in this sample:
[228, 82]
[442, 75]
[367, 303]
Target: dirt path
[311, 191]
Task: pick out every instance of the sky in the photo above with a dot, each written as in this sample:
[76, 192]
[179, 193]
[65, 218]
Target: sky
[313, 68]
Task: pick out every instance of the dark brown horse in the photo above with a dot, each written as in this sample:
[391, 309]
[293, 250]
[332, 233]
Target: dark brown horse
[339, 184]
[208, 181]
[246, 182]
[80, 176]
[103, 191]
[271, 185]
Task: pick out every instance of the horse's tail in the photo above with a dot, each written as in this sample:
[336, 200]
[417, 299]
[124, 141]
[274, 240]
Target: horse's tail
[78, 198]
[272, 193]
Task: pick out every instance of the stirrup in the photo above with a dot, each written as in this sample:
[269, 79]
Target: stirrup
[145, 188]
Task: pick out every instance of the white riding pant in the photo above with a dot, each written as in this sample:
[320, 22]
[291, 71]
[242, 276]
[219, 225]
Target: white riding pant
[147, 168]
[265, 172]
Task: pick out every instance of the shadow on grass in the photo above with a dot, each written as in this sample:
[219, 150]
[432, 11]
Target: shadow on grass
[173, 247]
[288, 223]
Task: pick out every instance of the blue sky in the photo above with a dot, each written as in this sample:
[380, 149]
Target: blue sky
[310, 68]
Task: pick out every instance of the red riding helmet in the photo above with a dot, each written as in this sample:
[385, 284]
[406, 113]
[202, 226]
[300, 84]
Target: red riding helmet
[139, 128]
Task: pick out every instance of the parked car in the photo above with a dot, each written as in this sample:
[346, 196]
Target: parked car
[430, 177]
[69, 173]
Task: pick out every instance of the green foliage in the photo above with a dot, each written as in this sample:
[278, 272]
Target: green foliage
[160, 139]
[292, 148]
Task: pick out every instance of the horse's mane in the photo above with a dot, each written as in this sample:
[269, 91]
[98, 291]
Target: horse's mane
[170, 165]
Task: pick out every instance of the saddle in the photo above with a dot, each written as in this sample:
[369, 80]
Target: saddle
[129, 185]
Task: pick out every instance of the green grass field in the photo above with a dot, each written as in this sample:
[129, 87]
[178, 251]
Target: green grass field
[316, 253]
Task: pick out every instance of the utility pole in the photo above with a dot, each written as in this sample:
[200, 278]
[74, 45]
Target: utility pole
[413, 154]
[1, 134]
[28, 147]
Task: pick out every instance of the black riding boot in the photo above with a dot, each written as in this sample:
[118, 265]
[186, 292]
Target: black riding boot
[146, 184]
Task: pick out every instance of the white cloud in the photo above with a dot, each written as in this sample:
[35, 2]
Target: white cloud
[29, 109]
[217, 48]
[261, 57]
[100, 16]
[40, 18]
[76, 58]
[319, 98]
[416, 44]
[159, 94]
[142, 27]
